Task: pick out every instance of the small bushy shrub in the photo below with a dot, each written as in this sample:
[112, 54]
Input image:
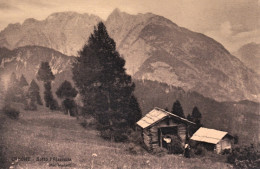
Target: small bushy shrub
[54, 105]
[119, 136]
[200, 150]
[135, 137]
[246, 157]
[115, 135]
[105, 134]
[176, 146]
[89, 122]
[3, 159]
[160, 152]
[192, 152]
[30, 106]
[84, 124]
[226, 151]
[236, 139]
[134, 149]
[69, 105]
[11, 112]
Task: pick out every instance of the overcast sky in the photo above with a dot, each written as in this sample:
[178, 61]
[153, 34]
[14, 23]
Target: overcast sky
[231, 22]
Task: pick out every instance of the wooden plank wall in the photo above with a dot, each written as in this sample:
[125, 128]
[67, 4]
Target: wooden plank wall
[182, 132]
[150, 135]
[147, 139]
[223, 144]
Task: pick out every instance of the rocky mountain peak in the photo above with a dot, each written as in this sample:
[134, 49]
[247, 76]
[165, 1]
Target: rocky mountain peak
[117, 15]
[115, 12]
[154, 48]
[62, 15]
[12, 26]
[30, 21]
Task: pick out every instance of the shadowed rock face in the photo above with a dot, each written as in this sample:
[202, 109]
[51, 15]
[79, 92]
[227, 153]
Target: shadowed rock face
[157, 49]
[154, 48]
[26, 60]
[65, 32]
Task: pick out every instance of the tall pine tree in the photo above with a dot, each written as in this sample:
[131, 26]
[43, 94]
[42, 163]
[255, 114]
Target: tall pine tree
[68, 93]
[196, 115]
[23, 82]
[45, 74]
[13, 81]
[2, 86]
[196, 118]
[177, 109]
[34, 92]
[106, 89]
[14, 92]
[135, 113]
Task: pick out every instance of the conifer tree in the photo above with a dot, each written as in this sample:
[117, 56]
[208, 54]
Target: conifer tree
[135, 113]
[2, 87]
[177, 109]
[14, 92]
[106, 89]
[23, 82]
[196, 115]
[67, 92]
[22, 88]
[34, 92]
[45, 74]
[189, 117]
[196, 118]
[13, 80]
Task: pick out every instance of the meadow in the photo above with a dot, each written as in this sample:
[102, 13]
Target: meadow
[49, 139]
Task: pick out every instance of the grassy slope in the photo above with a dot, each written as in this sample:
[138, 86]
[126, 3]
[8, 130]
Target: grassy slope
[47, 134]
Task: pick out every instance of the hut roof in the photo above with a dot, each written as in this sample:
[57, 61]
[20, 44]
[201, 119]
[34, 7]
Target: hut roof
[157, 115]
[208, 135]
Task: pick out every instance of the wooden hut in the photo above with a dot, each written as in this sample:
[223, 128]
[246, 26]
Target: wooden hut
[212, 139]
[158, 126]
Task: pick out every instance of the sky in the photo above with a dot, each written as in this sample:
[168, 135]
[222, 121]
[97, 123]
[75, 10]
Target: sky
[231, 22]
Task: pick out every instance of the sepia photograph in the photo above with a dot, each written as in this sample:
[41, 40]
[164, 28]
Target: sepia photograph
[130, 84]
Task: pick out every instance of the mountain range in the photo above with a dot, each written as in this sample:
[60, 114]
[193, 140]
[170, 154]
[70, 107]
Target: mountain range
[154, 48]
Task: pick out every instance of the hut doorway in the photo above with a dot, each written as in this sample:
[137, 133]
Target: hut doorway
[164, 135]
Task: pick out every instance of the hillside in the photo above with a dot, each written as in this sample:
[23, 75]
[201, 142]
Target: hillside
[44, 134]
[26, 60]
[157, 49]
[154, 48]
[238, 118]
[150, 94]
[249, 54]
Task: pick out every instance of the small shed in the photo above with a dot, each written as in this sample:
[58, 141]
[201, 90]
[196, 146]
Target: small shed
[214, 139]
[158, 127]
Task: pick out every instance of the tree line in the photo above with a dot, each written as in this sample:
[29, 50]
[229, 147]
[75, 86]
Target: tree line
[20, 91]
[195, 116]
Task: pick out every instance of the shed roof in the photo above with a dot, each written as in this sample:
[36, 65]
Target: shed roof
[208, 135]
[157, 115]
